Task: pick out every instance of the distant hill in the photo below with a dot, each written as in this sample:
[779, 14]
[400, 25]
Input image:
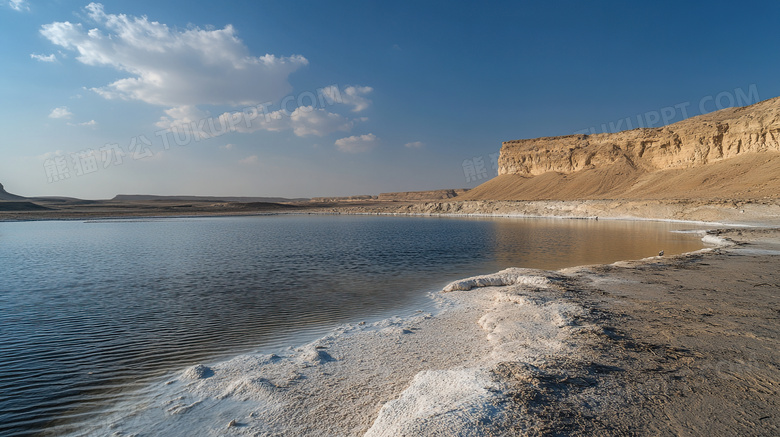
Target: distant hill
[732, 153]
[14, 206]
[144, 197]
[421, 196]
[403, 196]
[4, 195]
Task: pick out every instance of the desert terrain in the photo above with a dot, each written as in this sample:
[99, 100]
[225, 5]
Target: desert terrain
[683, 345]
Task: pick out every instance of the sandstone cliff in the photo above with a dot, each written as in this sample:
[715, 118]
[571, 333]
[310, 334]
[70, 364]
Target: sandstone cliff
[729, 153]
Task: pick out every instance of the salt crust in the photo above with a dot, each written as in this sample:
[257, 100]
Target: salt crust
[428, 374]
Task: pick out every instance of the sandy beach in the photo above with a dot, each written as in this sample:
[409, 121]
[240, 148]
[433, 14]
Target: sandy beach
[682, 345]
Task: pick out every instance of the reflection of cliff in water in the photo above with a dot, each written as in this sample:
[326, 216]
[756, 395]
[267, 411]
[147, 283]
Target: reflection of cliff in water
[539, 243]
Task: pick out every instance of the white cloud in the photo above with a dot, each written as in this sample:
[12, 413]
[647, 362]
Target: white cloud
[357, 143]
[303, 121]
[414, 145]
[44, 58]
[351, 95]
[173, 67]
[61, 112]
[309, 121]
[181, 117]
[19, 5]
[227, 147]
[250, 160]
[91, 123]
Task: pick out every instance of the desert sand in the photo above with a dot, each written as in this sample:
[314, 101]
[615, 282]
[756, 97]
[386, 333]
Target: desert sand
[669, 345]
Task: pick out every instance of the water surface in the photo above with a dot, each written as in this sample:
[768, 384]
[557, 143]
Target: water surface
[90, 311]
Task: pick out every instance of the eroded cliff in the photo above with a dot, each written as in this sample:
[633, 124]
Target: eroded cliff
[689, 143]
[637, 163]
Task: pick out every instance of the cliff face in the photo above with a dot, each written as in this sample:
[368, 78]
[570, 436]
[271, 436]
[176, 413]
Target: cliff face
[4, 195]
[729, 154]
[690, 143]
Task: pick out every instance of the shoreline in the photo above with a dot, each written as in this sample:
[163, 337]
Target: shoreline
[90, 219]
[599, 376]
[698, 342]
[719, 211]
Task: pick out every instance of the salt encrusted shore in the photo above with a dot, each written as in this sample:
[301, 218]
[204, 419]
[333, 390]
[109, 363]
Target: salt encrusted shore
[745, 211]
[684, 345]
[420, 375]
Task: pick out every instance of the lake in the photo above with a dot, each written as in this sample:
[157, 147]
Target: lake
[91, 311]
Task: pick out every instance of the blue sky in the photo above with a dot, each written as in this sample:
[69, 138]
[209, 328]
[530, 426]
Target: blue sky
[316, 98]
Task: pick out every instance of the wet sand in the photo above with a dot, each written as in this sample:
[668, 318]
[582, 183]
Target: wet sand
[688, 345]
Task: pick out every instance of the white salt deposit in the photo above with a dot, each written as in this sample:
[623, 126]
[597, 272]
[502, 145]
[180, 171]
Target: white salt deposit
[519, 328]
[197, 372]
[314, 355]
[716, 240]
[420, 375]
[442, 402]
[510, 276]
[467, 401]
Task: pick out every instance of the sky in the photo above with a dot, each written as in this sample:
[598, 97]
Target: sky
[336, 98]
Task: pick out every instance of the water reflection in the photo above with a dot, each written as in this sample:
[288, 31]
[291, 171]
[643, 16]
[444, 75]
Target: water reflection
[558, 243]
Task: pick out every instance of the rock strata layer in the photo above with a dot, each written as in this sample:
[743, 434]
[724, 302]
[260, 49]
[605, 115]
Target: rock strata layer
[732, 153]
[694, 142]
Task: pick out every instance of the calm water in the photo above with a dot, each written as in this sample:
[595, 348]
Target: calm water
[90, 311]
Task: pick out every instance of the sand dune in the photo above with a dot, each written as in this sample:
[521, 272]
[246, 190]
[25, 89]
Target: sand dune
[748, 176]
